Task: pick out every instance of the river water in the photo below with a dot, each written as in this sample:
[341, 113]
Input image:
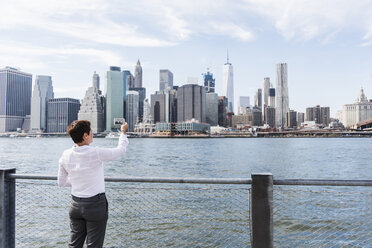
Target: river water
[303, 216]
[316, 158]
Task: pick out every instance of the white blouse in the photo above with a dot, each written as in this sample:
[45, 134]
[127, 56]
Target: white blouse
[81, 167]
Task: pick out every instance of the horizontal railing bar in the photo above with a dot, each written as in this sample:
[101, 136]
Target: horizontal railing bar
[181, 180]
[147, 179]
[299, 182]
[322, 182]
[31, 176]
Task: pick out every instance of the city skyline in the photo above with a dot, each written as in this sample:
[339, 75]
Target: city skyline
[326, 46]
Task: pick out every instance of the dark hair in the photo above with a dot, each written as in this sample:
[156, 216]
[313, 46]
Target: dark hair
[77, 129]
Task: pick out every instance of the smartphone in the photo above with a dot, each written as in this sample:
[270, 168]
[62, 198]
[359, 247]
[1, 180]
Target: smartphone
[119, 121]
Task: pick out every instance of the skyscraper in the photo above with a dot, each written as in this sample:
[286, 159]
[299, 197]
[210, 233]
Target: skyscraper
[191, 103]
[266, 91]
[146, 111]
[15, 98]
[91, 108]
[228, 84]
[282, 100]
[128, 79]
[96, 80]
[115, 97]
[165, 80]
[258, 99]
[61, 112]
[222, 111]
[209, 82]
[43, 91]
[211, 108]
[272, 97]
[164, 106]
[132, 108]
[141, 97]
[138, 75]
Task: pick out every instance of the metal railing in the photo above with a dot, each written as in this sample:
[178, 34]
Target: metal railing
[195, 212]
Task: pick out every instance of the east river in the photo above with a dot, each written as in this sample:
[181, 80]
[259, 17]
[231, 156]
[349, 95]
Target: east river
[315, 213]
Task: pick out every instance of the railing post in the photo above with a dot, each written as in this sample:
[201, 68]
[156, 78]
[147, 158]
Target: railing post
[262, 210]
[7, 209]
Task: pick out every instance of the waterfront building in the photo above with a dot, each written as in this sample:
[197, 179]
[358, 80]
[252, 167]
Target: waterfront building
[92, 107]
[272, 97]
[138, 75]
[15, 98]
[191, 103]
[222, 111]
[115, 97]
[270, 116]
[96, 80]
[141, 97]
[61, 112]
[211, 108]
[43, 91]
[291, 119]
[257, 116]
[360, 110]
[191, 127]
[144, 128]
[209, 82]
[165, 80]
[321, 115]
[282, 100]
[242, 120]
[132, 109]
[164, 106]
[228, 84]
[300, 118]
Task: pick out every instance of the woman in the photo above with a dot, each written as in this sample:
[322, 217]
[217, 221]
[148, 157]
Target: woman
[81, 168]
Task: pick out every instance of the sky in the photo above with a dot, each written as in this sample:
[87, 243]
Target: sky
[327, 44]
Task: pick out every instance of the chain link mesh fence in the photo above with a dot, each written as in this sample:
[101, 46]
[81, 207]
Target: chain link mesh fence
[319, 216]
[140, 215]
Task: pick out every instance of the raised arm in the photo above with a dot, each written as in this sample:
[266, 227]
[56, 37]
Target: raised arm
[106, 154]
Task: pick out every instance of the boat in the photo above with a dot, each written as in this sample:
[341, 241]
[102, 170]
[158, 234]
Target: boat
[113, 135]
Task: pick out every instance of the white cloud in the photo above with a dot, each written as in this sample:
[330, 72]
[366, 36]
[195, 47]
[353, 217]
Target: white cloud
[160, 23]
[75, 19]
[31, 56]
[232, 30]
[309, 19]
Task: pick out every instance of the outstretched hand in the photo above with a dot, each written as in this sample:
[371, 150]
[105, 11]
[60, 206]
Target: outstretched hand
[124, 127]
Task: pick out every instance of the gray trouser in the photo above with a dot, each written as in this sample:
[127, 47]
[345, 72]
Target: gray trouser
[88, 219]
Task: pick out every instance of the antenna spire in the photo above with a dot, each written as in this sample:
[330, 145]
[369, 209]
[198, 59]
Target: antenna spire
[227, 55]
